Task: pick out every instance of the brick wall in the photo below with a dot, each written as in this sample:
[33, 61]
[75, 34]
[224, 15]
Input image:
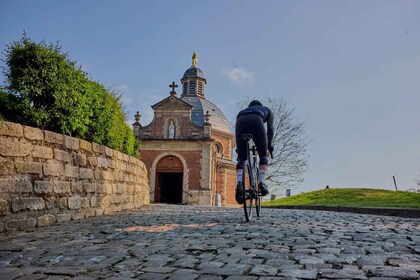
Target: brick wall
[46, 177]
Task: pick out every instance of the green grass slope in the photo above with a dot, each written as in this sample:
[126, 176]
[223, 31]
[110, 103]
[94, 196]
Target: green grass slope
[352, 197]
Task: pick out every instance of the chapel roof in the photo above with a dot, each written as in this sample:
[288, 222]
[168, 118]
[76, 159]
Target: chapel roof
[200, 107]
[193, 72]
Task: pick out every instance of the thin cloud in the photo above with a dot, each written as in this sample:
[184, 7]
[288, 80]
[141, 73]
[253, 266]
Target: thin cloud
[239, 76]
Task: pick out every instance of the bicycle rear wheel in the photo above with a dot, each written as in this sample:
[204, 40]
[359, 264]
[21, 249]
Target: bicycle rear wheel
[248, 196]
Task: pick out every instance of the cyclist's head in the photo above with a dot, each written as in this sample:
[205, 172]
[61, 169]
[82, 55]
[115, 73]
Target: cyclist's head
[255, 103]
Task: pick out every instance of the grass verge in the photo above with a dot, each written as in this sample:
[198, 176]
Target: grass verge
[356, 197]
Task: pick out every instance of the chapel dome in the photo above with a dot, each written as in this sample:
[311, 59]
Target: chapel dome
[193, 72]
[200, 107]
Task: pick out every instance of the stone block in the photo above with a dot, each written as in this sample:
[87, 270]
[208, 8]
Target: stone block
[22, 224]
[93, 161]
[109, 152]
[130, 189]
[77, 216]
[46, 220]
[43, 187]
[90, 213]
[77, 187]
[4, 207]
[80, 159]
[99, 212]
[126, 157]
[11, 129]
[27, 203]
[7, 167]
[102, 201]
[89, 187]
[104, 188]
[71, 142]
[121, 187]
[42, 152]
[71, 171]
[32, 133]
[28, 167]
[86, 173]
[63, 218]
[85, 145]
[62, 203]
[51, 202]
[120, 176]
[14, 147]
[85, 203]
[53, 169]
[102, 162]
[52, 137]
[111, 163]
[74, 202]
[62, 187]
[98, 148]
[93, 201]
[107, 175]
[15, 185]
[62, 155]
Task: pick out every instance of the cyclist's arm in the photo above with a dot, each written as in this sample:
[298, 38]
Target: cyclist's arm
[270, 129]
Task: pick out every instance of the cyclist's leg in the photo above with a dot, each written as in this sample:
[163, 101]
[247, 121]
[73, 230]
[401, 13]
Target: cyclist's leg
[241, 127]
[260, 140]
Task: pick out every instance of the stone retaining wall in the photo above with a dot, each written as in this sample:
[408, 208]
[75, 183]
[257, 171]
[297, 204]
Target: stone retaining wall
[46, 177]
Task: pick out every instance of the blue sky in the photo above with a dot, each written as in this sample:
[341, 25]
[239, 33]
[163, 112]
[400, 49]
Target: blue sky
[349, 68]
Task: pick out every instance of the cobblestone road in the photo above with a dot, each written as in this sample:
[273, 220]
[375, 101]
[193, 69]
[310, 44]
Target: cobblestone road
[184, 242]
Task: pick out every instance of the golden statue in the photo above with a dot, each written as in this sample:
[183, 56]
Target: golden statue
[194, 59]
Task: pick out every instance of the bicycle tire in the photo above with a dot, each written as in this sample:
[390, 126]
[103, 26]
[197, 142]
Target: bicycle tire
[258, 196]
[247, 205]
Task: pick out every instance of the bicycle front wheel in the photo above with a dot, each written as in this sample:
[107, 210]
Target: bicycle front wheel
[248, 196]
[258, 204]
[257, 196]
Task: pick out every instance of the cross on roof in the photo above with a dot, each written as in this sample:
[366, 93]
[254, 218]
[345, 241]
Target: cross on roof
[173, 86]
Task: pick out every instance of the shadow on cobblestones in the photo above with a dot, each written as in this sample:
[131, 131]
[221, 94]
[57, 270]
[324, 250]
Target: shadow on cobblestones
[185, 242]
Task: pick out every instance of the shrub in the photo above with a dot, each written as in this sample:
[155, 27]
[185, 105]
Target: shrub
[45, 89]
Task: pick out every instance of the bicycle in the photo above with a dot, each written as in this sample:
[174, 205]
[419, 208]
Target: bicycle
[250, 187]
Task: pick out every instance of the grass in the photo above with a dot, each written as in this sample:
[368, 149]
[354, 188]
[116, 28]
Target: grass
[352, 197]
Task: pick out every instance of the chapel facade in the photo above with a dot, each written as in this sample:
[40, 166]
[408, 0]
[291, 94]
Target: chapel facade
[187, 147]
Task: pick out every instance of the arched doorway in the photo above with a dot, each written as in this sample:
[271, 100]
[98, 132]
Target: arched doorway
[169, 172]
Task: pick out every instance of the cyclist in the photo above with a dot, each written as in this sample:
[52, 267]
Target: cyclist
[251, 120]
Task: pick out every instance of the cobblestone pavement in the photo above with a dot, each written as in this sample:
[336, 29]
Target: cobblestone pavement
[185, 242]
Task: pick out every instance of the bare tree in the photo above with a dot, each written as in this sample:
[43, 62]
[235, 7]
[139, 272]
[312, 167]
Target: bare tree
[418, 181]
[289, 161]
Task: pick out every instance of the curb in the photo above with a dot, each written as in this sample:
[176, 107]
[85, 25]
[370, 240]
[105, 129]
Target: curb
[400, 212]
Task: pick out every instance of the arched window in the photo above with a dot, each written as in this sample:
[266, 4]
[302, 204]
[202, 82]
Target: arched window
[219, 149]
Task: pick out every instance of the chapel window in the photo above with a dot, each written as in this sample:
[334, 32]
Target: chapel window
[192, 87]
[184, 88]
[219, 149]
[200, 88]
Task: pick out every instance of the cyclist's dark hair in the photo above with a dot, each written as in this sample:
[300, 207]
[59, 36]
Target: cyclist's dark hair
[255, 103]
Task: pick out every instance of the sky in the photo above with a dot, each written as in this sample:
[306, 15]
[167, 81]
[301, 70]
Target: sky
[349, 69]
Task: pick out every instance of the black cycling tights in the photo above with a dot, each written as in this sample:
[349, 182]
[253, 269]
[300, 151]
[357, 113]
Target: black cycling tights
[254, 125]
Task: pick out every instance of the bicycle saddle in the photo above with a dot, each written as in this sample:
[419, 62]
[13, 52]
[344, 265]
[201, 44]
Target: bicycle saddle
[246, 136]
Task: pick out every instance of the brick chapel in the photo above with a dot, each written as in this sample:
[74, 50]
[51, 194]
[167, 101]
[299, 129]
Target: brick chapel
[187, 147]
